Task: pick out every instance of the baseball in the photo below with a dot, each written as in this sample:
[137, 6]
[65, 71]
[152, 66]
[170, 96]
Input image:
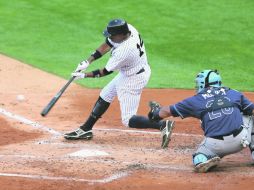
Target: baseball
[20, 97]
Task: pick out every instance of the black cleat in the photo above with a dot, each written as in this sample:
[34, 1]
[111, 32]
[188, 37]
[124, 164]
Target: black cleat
[79, 134]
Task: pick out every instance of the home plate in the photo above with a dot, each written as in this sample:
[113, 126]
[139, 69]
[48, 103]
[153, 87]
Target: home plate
[88, 152]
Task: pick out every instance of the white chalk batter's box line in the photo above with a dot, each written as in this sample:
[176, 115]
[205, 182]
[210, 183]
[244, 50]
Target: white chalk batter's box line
[82, 156]
[123, 173]
[32, 158]
[57, 133]
[116, 176]
[78, 145]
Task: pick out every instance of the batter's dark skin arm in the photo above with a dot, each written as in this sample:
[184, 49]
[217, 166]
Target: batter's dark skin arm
[103, 49]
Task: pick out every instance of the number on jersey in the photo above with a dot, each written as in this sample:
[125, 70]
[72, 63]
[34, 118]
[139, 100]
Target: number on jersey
[140, 46]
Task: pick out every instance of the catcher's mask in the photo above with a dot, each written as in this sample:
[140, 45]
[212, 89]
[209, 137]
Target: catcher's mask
[207, 78]
[115, 27]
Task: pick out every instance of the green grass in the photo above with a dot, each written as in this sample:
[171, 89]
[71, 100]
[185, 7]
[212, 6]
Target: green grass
[182, 37]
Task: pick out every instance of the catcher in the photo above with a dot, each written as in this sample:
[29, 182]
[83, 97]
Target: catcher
[226, 118]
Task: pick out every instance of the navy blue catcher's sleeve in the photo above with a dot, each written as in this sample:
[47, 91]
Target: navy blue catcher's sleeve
[185, 108]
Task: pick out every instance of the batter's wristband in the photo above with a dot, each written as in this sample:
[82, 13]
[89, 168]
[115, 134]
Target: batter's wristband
[96, 54]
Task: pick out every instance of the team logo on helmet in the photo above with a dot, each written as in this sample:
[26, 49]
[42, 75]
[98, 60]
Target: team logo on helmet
[207, 78]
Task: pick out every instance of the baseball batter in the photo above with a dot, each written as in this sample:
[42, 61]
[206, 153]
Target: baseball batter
[128, 56]
[226, 115]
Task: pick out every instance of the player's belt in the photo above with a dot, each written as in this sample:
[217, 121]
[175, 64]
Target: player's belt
[140, 71]
[234, 133]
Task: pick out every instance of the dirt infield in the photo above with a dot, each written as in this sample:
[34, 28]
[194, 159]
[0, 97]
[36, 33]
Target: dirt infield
[34, 155]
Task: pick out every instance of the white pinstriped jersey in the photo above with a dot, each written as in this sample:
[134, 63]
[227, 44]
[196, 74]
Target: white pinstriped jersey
[128, 56]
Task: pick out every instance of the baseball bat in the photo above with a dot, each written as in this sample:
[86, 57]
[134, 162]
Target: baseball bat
[46, 110]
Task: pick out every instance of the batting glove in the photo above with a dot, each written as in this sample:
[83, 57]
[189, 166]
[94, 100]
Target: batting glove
[82, 66]
[78, 75]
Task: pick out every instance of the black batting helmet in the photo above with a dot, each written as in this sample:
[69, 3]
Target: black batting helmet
[116, 26]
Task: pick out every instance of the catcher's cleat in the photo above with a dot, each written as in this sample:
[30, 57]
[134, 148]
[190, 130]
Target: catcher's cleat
[79, 134]
[204, 167]
[166, 132]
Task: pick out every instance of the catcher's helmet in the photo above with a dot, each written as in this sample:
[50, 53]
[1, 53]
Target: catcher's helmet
[207, 78]
[116, 26]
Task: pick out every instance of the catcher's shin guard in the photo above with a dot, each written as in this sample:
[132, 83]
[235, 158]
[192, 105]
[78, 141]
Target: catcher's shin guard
[203, 163]
[208, 165]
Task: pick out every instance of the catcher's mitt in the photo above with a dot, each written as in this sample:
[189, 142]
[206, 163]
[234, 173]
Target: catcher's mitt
[153, 114]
